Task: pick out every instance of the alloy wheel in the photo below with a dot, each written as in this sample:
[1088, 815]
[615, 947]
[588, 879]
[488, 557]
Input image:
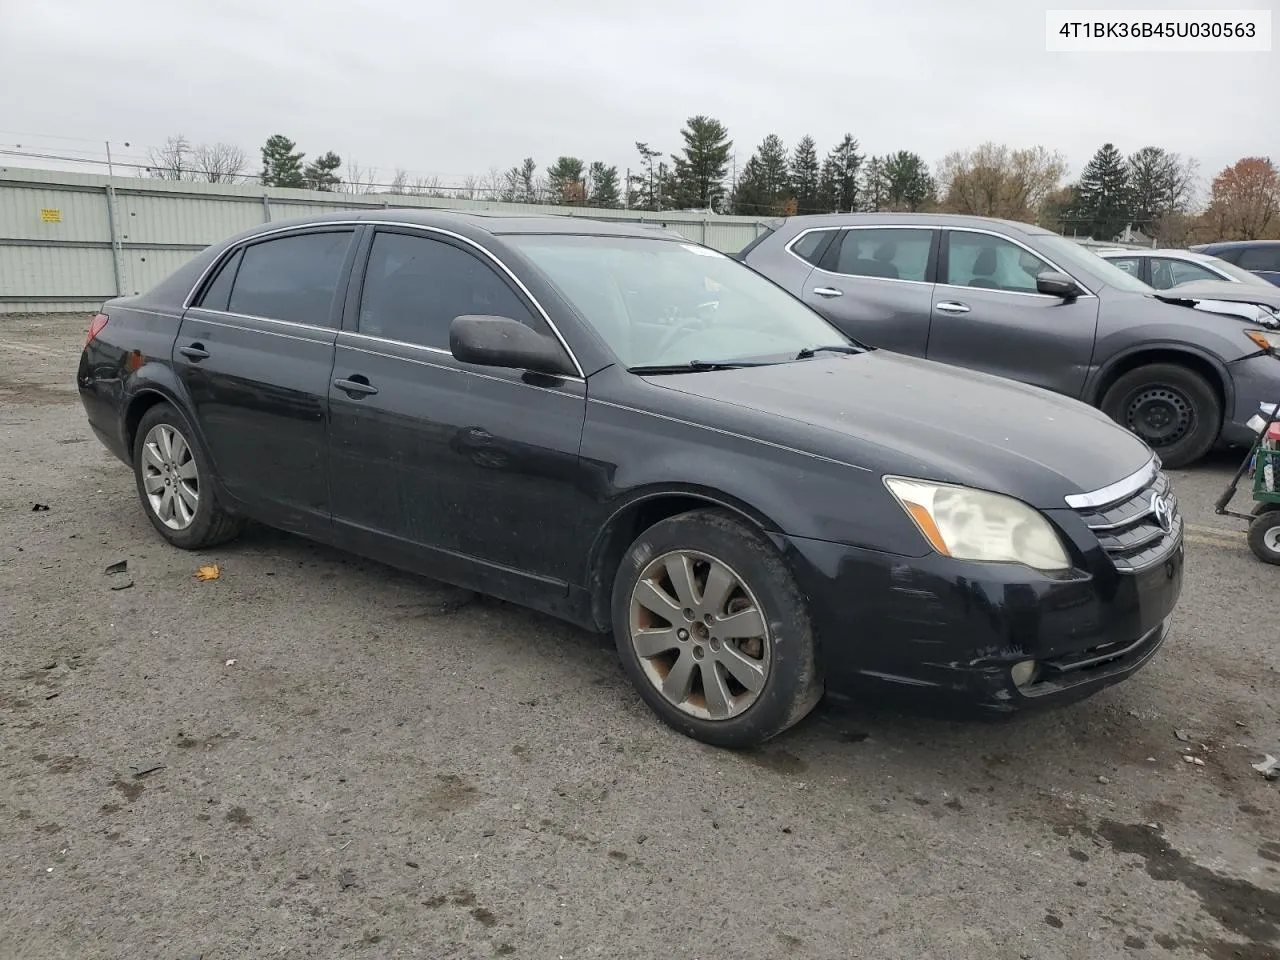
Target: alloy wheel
[170, 476]
[700, 635]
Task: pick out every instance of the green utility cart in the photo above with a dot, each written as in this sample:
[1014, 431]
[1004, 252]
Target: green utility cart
[1263, 460]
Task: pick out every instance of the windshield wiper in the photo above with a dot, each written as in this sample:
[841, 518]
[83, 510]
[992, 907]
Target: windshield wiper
[697, 366]
[808, 352]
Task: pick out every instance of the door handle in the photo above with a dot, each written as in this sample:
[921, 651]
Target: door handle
[952, 306]
[356, 386]
[195, 353]
[828, 292]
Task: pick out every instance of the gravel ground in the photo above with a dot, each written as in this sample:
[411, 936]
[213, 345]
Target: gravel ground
[316, 756]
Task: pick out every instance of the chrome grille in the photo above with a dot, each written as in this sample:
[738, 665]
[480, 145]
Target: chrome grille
[1136, 521]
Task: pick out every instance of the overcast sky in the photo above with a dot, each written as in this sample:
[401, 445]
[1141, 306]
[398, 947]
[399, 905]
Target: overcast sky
[454, 88]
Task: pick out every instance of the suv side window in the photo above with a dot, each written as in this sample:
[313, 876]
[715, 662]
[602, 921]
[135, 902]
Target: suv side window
[414, 287]
[810, 247]
[291, 278]
[1166, 272]
[1259, 258]
[992, 263]
[1130, 265]
[894, 253]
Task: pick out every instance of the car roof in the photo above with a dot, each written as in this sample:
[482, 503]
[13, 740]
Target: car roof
[910, 219]
[497, 223]
[1162, 252]
[1233, 245]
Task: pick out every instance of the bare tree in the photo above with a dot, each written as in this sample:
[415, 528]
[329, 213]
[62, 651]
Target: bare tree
[426, 187]
[173, 161]
[492, 184]
[219, 162]
[359, 179]
[400, 183]
[470, 188]
[996, 181]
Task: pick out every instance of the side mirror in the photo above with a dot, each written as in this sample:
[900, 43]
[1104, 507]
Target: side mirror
[1056, 284]
[503, 342]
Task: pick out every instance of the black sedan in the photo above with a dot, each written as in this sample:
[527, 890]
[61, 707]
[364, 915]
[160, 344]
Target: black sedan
[642, 436]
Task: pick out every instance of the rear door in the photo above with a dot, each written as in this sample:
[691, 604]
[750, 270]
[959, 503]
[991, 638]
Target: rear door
[876, 284]
[988, 316]
[255, 353]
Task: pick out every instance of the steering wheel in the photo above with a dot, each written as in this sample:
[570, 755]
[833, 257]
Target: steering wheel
[679, 328]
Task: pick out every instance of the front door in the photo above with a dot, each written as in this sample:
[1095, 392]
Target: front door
[255, 354]
[466, 471]
[988, 316]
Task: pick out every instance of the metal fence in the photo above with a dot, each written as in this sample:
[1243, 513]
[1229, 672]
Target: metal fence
[70, 241]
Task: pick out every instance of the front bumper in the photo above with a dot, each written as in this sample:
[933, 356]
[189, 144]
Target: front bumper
[952, 630]
[1256, 381]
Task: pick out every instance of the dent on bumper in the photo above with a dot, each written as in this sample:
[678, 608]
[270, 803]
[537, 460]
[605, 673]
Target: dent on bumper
[942, 627]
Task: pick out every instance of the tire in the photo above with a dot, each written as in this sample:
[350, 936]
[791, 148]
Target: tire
[1264, 536]
[191, 524]
[1170, 407]
[779, 660]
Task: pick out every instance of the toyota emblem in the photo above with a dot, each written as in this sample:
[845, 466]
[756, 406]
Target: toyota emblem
[1162, 510]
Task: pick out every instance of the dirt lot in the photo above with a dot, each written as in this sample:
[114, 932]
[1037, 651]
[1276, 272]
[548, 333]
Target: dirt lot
[315, 756]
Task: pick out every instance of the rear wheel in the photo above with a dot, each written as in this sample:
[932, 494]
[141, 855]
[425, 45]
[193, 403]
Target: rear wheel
[1173, 409]
[175, 482]
[713, 631]
[1264, 536]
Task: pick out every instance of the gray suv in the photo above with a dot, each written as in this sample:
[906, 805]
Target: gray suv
[1020, 302]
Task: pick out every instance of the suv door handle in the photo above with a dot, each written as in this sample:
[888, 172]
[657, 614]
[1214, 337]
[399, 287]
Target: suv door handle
[952, 306]
[356, 386]
[195, 353]
[828, 292]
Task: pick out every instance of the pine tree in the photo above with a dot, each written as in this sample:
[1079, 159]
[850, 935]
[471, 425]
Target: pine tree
[765, 185]
[1103, 196]
[604, 186]
[908, 184]
[875, 185]
[805, 176]
[322, 172]
[644, 188]
[700, 170]
[281, 164]
[838, 187]
[566, 181]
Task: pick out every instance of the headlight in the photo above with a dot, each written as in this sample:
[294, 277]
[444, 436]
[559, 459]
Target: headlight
[976, 525]
[1263, 340]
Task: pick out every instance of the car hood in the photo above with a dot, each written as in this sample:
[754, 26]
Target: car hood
[1219, 296]
[899, 414]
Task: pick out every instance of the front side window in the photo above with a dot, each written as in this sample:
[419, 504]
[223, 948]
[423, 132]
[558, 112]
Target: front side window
[663, 302]
[1260, 258]
[888, 252]
[1167, 272]
[414, 287]
[291, 278]
[1130, 265]
[991, 263]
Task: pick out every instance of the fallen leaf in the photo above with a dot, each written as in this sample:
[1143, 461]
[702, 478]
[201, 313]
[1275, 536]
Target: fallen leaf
[210, 572]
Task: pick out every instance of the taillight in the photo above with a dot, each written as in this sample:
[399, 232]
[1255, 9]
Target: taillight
[95, 328]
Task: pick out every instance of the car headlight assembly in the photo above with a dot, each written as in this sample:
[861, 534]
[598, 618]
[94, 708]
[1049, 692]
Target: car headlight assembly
[972, 524]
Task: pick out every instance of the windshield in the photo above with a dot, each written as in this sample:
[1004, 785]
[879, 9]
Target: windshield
[1074, 258]
[661, 302]
[1237, 273]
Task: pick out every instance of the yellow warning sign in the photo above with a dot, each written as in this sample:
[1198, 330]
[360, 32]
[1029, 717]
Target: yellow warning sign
[51, 215]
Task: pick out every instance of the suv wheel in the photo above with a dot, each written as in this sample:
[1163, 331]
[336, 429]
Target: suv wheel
[1173, 409]
[175, 482]
[713, 631]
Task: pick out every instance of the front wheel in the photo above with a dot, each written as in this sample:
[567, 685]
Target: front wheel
[713, 631]
[1264, 536]
[1172, 408]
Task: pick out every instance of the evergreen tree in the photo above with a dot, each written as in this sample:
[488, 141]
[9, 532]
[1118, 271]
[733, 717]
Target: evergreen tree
[566, 181]
[1103, 196]
[908, 183]
[281, 163]
[644, 188]
[1161, 184]
[875, 185]
[838, 186]
[805, 176]
[700, 170]
[765, 184]
[322, 172]
[604, 186]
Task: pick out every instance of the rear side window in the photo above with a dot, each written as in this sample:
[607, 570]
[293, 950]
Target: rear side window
[810, 246]
[414, 287]
[218, 293]
[1130, 265]
[292, 278]
[888, 252]
[1260, 258]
